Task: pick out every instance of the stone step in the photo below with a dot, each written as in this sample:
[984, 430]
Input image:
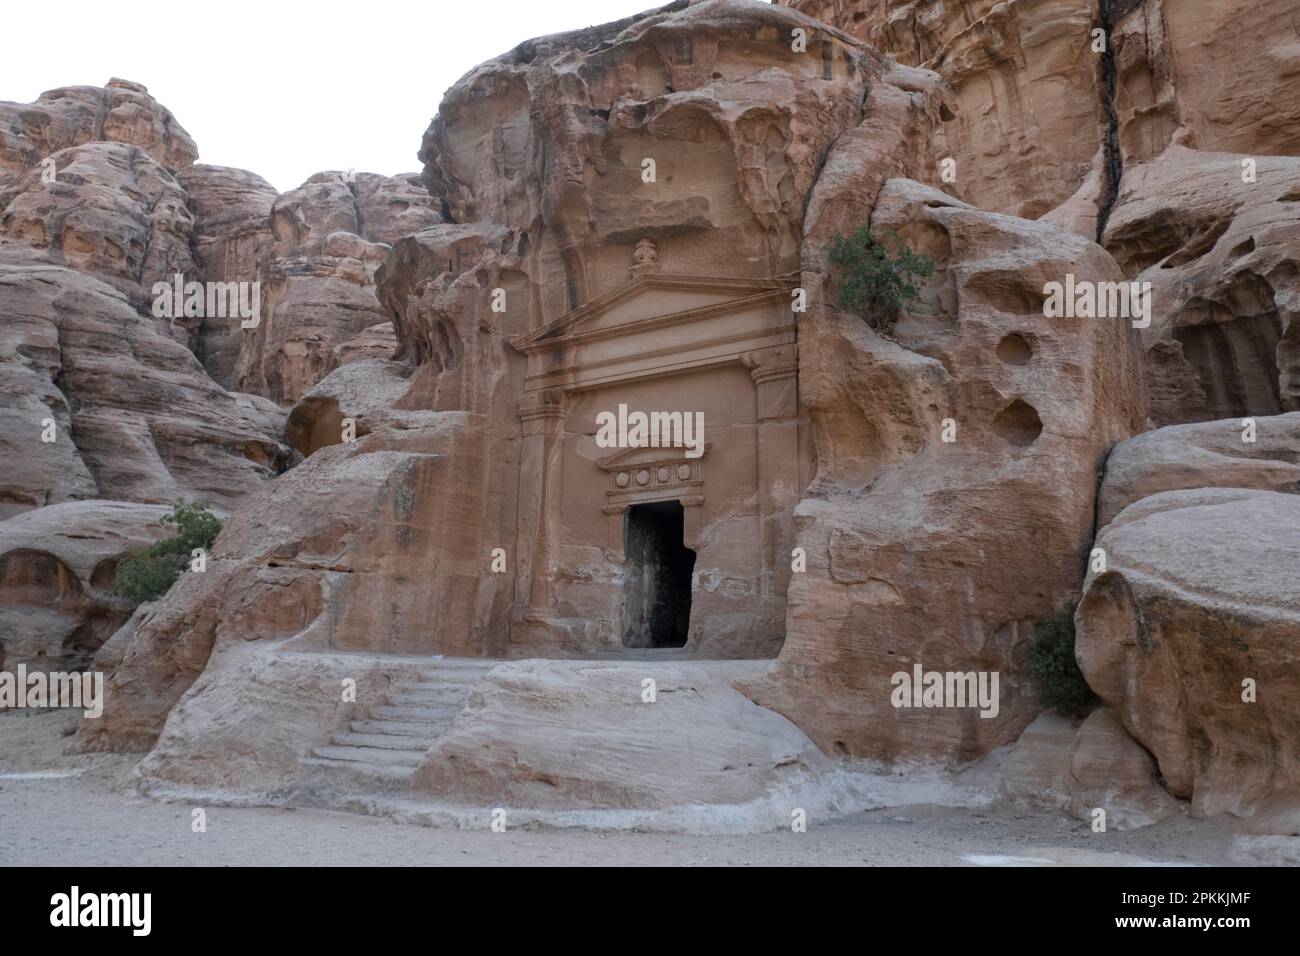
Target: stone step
[384, 741]
[356, 775]
[429, 692]
[455, 686]
[415, 714]
[370, 755]
[381, 750]
[397, 728]
[442, 665]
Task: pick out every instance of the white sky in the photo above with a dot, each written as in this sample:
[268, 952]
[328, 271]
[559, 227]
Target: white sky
[285, 89]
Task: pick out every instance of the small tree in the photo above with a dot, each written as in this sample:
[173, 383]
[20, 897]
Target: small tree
[873, 285]
[147, 575]
[1054, 670]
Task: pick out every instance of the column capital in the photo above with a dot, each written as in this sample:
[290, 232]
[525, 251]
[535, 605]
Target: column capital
[542, 410]
[773, 364]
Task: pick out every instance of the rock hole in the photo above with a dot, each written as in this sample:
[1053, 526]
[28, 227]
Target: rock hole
[1243, 248]
[1018, 424]
[1014, 350]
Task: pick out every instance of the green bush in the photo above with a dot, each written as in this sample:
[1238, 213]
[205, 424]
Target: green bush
[1056, 676]
[873, 285]
[148, 574]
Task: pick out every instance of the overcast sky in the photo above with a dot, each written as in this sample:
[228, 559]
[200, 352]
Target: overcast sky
[280, 87]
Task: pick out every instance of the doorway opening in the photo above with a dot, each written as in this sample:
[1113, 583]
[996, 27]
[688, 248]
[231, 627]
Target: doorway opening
[658, 608]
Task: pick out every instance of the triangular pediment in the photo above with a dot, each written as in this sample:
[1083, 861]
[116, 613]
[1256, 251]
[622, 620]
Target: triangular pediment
[655, 299]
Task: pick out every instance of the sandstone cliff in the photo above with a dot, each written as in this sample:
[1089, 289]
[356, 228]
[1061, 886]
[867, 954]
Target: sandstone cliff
[404, 439]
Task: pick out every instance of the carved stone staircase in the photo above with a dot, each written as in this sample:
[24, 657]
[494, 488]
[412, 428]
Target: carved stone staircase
[381, 750]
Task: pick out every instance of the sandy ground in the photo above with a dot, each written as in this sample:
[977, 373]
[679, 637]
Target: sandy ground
[58, 809]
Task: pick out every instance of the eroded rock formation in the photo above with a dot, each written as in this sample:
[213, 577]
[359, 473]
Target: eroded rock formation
[1190, 636]
[329, 237]
[120, 112]
[1215, 235]
[231, 242]
[56, 568]
[639, 214]
[916, 543]
[109, 407]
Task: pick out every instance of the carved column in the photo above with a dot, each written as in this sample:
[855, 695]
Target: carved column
[542, 414]
[775, 373]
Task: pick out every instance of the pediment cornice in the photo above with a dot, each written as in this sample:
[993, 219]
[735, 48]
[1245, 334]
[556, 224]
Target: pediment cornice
[741, 294]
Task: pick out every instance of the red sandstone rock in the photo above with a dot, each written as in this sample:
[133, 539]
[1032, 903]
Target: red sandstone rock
[918, 549]
[121, 112]
[57, 565]
[135, 417]
[1190, 636]
[231, 242]
[330, 235]
[1219, 253]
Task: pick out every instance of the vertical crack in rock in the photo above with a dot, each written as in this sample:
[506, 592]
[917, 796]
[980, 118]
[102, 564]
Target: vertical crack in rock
[1109, 11]
[356, 206]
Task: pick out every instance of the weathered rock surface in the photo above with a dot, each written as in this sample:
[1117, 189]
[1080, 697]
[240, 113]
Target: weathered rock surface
[1035, 92]
[231, 241]
[1220, 255]
[120, 112]
[1202, 455]
[701, 742]
[330, 236]
[133, 415]
[1080, 767]
[377, 341]
[1026, 89]
[1208, 75]
[56, 566]
[364, 390]
[347, 551]
[1191, 636]
[379, 531]
[112, 212]
[550, 140]
[920, 550]
[917, 547]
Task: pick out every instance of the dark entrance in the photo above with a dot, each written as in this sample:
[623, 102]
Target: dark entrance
[658, 608]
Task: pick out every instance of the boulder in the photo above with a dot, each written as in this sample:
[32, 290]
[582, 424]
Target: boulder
[1202, 455]
[1190, 635]
[1079, 767]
